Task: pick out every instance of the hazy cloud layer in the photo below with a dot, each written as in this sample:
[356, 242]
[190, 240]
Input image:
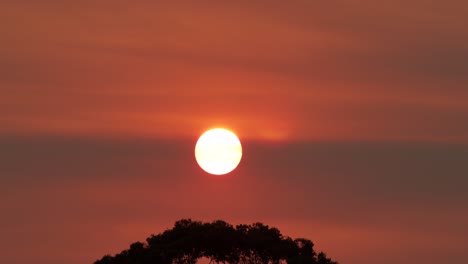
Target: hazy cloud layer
[83, 198]
[168, 69]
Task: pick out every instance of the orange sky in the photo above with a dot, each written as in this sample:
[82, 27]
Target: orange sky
[303, 70]
[353, 116]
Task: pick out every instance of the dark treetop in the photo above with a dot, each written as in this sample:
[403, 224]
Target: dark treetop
[220, 242]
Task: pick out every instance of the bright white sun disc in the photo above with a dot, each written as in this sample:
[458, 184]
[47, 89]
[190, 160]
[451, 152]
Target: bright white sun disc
[218, 151]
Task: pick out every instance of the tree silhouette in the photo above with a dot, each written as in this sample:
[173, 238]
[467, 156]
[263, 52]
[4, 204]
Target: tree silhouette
[220, 242]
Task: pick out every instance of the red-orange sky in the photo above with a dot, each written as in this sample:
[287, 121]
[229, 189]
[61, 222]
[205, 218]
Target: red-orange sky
[353, 117]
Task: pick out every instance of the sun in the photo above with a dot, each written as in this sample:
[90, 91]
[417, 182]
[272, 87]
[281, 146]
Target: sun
[218, 151]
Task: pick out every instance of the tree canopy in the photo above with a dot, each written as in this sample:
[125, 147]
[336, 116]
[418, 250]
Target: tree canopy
[220, 242]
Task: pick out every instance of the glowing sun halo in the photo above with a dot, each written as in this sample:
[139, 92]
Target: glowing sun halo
[218, 151]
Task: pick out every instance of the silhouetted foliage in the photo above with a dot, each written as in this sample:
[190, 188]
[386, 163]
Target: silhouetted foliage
[220, 242]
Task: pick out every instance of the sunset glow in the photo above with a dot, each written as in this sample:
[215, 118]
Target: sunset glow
[345, 122]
